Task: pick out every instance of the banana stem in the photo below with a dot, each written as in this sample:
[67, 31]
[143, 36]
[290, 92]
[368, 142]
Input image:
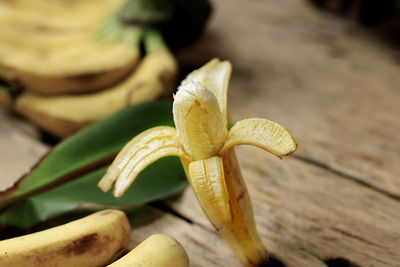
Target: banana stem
[154, 41]
[112, 30]
[241, 236]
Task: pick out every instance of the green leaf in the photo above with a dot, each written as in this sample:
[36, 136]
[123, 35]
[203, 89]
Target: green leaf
[162, 179]
[90, 149]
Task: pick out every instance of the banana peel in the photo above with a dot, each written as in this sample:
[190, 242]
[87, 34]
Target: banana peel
[64, 115]
[49, 47]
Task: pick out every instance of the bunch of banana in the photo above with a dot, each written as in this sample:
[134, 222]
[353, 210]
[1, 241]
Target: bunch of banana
[77, 62]
[64, 115]
[204, 144]
[51, 47]
[96, 240]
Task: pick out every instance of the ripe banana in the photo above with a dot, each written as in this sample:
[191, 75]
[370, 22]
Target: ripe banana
[205, 146]
[156, 251]
[95, 240]
[52, 48]
[63, 115]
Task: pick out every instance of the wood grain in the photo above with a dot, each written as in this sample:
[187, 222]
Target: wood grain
[335, 85]
[19, 148]
[203, 246]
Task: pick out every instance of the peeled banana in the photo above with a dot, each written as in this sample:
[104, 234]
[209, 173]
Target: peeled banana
[95, 240]
[206, 149]
[51, 47]
[156, 251]
[63, 115]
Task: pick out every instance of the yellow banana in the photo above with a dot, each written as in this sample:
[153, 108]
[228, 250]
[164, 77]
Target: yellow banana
[63, 115]
[205, 146]
[95, 240]
[50, 52]
[156, 251]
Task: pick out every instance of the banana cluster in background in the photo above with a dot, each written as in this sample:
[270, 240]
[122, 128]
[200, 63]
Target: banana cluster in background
[66, 64]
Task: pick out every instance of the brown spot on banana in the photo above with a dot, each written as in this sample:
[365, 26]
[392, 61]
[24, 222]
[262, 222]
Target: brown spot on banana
[91, 241]
[80, 245]
[131, 93]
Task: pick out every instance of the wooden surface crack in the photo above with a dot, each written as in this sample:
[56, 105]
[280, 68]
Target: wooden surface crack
[165, 208]
[357, 237]
[345, 176]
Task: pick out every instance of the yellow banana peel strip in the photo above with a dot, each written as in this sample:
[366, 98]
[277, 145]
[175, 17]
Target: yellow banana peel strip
[139, 153]
[214, 76]
[262, 133]
[208, 181]
[205, 146]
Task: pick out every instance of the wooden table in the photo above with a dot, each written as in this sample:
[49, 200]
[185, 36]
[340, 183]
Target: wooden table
[336, 87]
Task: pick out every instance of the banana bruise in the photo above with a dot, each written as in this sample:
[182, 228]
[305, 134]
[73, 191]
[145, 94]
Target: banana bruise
[95, 240]
[64, 115]
[72, 59]
[156, 251]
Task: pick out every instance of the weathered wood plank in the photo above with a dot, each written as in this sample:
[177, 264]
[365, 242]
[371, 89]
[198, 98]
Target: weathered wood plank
[334, 84]
[19, 149]
[307, 215]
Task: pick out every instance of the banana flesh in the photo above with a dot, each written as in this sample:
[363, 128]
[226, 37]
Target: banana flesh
[156, 251]
[95, 240]
[215, 77]
[191, 109]
[64, 115]
[62, 38]
[206, 149]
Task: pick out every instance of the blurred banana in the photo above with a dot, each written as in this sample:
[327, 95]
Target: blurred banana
[63, 115]
[95, 240]
[51, 47]
[156, 251]
[205, 146]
